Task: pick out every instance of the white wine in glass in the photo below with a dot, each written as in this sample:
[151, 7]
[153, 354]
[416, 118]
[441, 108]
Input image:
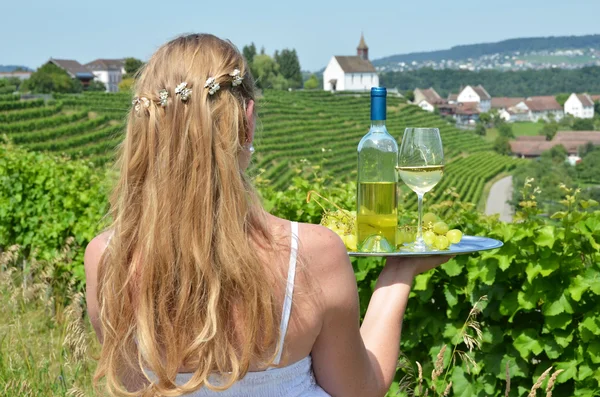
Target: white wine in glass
[421, 167]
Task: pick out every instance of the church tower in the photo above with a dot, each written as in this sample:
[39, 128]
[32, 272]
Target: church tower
[362, 50]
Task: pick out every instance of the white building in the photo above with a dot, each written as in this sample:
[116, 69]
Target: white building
[351, 73]
[108, 71]
[580, 106]
[427, 99]
[476, 94]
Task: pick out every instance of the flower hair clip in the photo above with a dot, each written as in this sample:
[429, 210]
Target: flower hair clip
[237, 79]
[183, 91]
[212, 85]
[138, 102]
[163, 97]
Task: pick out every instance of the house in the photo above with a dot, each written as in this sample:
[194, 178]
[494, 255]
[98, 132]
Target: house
[501, 103]
[351, 73]
[544, 107]
[476, 94]
[533, 146]
[108, 71]
[467, 113]
[580, 106]
[452, 98]
[74, 69]
[427, 99]
[20, 74]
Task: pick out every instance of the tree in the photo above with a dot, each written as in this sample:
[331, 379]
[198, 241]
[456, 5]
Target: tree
[583, 124]
[562, 98]
[409, 95]
[480, 129]
[505, 130]
[597, 108]
[249, 53]
[126, 85]
[50, 78]
[265, 71]
[96, 85]
[549, 130]
[502, 145]
[485, 118]
[132, 65]
[289, 67]
[312, 83]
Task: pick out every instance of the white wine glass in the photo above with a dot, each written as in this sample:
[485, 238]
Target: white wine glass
[421, 166]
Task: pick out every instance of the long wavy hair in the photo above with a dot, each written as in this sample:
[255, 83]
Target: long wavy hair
[183, 264]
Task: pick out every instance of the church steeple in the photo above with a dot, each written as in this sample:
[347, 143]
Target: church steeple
[362, 50]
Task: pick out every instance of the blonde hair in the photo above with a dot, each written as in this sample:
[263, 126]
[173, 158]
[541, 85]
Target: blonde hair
[183, 261]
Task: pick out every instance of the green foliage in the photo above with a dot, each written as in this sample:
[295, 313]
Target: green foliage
[497, 83]
[132, 66]
[485, 118]
[409, 95]
[562, 98]
[312, 83]
[45, 200]
[96, 85]
[480, 129]
[502, 145]
[9, 85]
[583, 125]
[289, 67]
[505, 130]
[50, 78]
[266, 72]
[249, 51]
[549, 130]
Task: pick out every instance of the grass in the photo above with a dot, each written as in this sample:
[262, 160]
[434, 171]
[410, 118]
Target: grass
[520, 128]
[45, 346]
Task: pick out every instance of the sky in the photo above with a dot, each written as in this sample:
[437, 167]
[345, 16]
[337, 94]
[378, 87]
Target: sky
[32, 31]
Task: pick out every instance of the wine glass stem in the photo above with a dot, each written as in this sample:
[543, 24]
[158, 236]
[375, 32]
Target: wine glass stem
[419, 239]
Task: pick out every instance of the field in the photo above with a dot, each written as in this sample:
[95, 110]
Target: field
[294, 126]
[522, 128]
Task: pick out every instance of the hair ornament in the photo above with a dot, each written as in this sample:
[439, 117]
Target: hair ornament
[183, 91]
[212, 85]
[163, 97]
[138, 102]
[237, 79]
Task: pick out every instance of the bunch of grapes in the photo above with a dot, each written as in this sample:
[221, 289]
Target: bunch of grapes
[436, 232]
[342, 223]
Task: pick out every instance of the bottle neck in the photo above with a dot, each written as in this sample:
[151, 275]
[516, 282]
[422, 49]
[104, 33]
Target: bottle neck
[378, 126]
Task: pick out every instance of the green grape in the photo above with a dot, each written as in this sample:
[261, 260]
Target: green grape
[429, 237]
[454, 236]
[409, 237]
[440, 228]
[429, 218]
[441, 242]
[350, 241]
[399, 237]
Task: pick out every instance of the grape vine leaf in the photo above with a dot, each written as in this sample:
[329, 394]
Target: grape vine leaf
[593, 350]
[545, 236]
[461, 386]
[570, 371]
[422, 280]
[559, 306]
[451, 294]
[452, 268]
[527, 343]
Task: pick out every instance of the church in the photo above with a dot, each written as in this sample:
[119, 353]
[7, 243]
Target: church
[351, 73]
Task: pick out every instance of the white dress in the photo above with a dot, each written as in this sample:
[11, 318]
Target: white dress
[295, 380]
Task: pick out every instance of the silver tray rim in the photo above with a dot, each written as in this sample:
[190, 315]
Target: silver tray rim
[486, 243]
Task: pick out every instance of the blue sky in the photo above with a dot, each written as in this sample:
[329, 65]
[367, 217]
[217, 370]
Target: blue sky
[34, 30]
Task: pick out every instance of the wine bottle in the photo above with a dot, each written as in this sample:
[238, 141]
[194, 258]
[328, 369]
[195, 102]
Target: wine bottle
[376, 199]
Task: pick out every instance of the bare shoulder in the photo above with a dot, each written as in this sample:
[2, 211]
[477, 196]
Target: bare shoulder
[322, 244]
[94, 251]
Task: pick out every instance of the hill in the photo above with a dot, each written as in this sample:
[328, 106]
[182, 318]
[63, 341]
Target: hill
[522, 45]
[517, 83]
[12, 68]
[294, 127]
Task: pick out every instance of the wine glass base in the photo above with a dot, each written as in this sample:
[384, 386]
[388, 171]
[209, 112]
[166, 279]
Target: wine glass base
[417, 246]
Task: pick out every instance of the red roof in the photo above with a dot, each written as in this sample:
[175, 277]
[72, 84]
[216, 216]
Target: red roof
[531, 138]
[467, 108]
[542, 103]
[585, 100]
[431, 96]
[595, 98]
[571, 140]
[505, 102]
[483, 94]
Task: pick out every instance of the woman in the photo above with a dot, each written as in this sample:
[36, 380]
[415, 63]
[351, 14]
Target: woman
[197, 290]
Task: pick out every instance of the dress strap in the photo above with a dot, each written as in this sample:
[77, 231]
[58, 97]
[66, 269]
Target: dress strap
[289, 291]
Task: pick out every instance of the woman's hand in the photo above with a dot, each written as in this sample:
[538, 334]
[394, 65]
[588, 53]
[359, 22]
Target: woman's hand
[404, 267]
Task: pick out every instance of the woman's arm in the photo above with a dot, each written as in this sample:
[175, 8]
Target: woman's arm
[349, 360]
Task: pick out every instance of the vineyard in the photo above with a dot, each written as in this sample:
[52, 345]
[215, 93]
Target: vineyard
[294, 126]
